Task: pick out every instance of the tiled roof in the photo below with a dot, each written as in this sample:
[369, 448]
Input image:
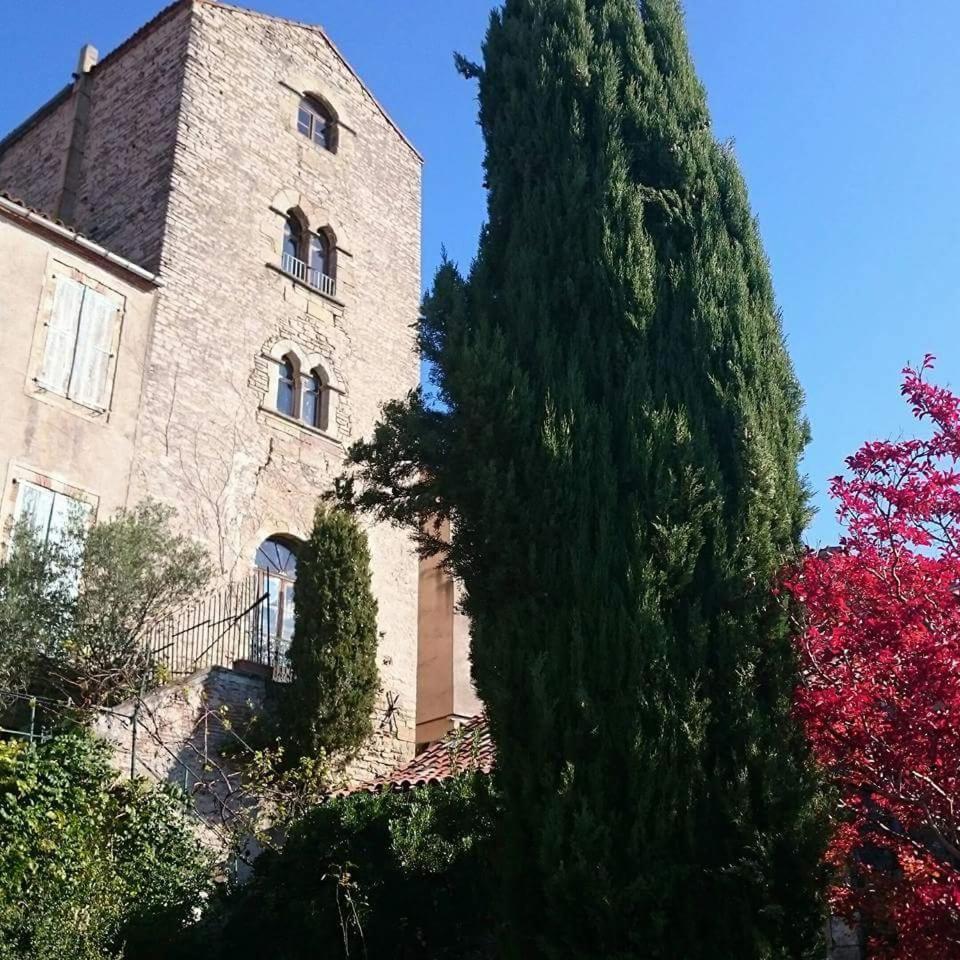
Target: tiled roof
[13, 206]
[466, 749]
[35, 210]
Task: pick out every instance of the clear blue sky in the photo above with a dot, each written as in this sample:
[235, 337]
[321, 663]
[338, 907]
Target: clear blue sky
[844, 119]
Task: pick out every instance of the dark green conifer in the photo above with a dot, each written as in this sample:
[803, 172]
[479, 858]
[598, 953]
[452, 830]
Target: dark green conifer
[617, 447]
[327, 709]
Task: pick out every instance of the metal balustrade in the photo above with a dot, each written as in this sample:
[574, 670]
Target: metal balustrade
[235, 623]
[315, 279]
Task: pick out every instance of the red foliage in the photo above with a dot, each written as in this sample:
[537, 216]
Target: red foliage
[880, 698]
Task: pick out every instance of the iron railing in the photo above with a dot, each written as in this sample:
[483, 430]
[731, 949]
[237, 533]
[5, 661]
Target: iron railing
[316, 279]
[235, 623]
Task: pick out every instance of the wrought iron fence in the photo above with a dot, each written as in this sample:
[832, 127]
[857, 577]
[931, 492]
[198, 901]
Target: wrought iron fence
[238, 622]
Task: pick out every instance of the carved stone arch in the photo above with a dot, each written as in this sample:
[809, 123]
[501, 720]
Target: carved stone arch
[285, 199]
[282, 348]
[327, 368]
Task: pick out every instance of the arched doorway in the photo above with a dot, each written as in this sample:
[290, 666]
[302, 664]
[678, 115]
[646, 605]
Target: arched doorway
[276, 564]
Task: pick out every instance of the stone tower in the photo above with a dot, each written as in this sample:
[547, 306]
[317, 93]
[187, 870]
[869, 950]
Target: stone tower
[241, 159]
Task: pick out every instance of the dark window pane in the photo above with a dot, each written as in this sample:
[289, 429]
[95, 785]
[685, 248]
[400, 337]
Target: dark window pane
[304, 121]
[320, 253]
[291, 238]
[320, 131]
[276, 557]
[286, 390]
[311, 401]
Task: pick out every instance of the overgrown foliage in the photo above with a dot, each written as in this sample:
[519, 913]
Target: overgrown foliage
[881, 699]
[616, 445]
[75, 612]
[34, 612]
[399, 875]
[327, 709]
[90, 867]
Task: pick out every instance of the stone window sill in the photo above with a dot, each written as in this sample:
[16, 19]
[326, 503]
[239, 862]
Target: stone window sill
[98, 415]
[300, 425]
[306, 286]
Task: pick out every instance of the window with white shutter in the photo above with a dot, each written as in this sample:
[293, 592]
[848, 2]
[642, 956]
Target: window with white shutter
[61, 342]
[78, 348]
[49, 514]
[88, 381]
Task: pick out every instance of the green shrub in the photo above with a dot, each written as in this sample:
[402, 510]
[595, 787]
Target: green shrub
[385, 875]
[76, 613]
[327, 708]
[91, 867]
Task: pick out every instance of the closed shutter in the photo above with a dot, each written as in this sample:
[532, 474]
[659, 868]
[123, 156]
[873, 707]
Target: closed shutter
[61, 341]
[88, 382]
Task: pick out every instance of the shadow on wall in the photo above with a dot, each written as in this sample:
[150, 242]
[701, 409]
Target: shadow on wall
[185, 733]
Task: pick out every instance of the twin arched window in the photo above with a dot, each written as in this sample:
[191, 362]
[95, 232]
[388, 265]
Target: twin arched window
[309, 256]
[303, 397]
[317, 122]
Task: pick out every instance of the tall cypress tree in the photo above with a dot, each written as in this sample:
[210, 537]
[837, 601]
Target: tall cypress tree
[328, 707]
[617, 447]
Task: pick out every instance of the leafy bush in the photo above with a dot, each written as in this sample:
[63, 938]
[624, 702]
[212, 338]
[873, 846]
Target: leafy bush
[75, 614]
[384, 875]
[90, 868]
[328, 706]
[34, 611]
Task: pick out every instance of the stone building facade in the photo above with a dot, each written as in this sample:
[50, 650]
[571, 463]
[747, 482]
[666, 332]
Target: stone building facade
[53, 448]
[240, 159]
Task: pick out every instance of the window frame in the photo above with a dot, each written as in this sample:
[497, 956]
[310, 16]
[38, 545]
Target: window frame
[20, 474]
[272, 574]
[298, 236]
[111, 307]
[315, 109]
[287, 383]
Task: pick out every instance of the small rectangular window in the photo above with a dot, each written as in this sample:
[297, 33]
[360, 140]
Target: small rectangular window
[77, 351]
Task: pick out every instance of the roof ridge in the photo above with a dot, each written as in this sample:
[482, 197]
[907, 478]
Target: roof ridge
[315, 28]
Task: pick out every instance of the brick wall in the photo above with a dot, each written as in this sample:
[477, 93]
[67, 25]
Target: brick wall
[32, 164]
[135, 101]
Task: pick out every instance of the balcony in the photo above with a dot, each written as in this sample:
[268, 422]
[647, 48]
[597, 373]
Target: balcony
[315, 279]
[244, 620]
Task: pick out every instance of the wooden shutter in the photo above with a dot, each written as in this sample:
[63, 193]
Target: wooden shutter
[88, 381]
[61, 340]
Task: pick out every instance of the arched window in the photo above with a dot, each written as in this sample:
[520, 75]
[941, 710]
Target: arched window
[317, 123]
[287, 388]
[320, 259]
[276, 564]
[313, 401]
[292, 238]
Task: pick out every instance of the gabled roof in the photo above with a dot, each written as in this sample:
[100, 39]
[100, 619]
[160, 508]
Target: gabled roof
[469, 748]
[164, 15]
[316, 28]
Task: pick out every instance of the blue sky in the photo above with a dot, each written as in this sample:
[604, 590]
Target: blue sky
[844, 122]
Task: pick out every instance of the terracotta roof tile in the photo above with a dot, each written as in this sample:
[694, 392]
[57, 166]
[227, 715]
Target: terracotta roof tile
[36, 210]
[468, 748]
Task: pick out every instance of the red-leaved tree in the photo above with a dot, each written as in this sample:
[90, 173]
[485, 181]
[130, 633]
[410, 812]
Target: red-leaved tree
[880, 698]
